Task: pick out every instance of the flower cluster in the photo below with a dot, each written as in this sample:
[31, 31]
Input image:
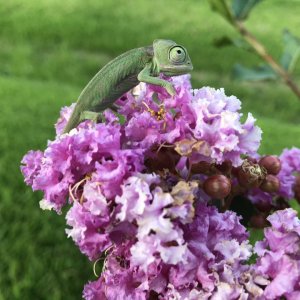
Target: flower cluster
[152, 195]
[279, 256]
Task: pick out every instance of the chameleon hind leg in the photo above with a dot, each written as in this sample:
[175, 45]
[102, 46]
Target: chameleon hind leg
[90, 115]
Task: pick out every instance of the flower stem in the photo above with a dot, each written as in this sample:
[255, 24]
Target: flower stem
[262, 52]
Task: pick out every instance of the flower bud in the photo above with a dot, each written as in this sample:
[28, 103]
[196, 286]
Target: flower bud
[271, 184]
[202, 167]
[217, 186]
[225, 167]
[297, 188]
[258, 221]
[271, 163]
[250, 175]
[281, 203]
[166, 158]
[264, 206]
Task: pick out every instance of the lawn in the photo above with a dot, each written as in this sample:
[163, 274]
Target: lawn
[49, 50]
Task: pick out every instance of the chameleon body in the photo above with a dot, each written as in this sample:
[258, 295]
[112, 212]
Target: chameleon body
[125, 72]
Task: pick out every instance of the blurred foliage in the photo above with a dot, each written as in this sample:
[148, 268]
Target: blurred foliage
[236, 11]
[48, 51]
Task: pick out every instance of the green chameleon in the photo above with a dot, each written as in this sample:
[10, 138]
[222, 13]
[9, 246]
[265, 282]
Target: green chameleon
[125, 72]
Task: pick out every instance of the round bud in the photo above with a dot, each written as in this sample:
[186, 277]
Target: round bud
[225, 167]
[217, 186]
[297, 188]
[247, 180]
[166, 158]
[271, 163]
[281, 203]
[252, 159]
[250, 175]
[264, 206]
[202, 167]
[271, 184]
[258, 221]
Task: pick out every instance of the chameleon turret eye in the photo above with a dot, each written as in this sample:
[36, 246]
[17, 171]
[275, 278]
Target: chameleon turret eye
[177, 55]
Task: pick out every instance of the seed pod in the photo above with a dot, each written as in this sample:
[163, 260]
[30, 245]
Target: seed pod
[271, 184]
[297, 188]
[258, 221]
[264, 206]
[217, 186]
[166, 158]
[202, 167]
[252, 159]
[225, 167]
[281, 203]
[250, 175]
[271, 163]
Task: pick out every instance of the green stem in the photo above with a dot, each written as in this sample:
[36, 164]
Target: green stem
[262, 52]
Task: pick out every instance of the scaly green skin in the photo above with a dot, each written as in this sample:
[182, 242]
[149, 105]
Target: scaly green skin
[125, 72]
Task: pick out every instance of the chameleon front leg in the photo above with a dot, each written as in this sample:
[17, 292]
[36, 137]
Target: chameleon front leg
[145, 76]
[90, 115]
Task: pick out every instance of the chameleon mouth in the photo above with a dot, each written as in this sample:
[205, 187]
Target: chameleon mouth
[177, 70]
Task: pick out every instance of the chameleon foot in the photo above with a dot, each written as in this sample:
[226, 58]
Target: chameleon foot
[90, 115]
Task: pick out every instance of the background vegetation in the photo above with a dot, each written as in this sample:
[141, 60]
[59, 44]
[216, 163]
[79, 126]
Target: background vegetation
[49, 49]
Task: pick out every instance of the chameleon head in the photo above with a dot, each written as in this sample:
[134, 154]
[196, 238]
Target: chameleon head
[170, 58]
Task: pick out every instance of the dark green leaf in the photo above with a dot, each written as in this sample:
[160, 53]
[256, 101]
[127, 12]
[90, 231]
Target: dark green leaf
[227, 41]
[222, 7]
[242, 8]
[263, 72]
[223, 42]
[291, 51]
[295, 205]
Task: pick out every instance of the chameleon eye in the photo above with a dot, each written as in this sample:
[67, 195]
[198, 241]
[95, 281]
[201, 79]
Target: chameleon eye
[177, 55]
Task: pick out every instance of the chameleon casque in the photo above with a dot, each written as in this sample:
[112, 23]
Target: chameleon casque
[125, 72]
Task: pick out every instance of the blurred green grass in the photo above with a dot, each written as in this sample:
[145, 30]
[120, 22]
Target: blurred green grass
[49, 50]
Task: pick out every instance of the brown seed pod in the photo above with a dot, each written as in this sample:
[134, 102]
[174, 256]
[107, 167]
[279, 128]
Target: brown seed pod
[271, 184]
[217, 186]
[166, 158]
[264, 206]
[250, 175]
[297, 188]
[225, 167]
[202, 167]
[271, 163]
[258, 221]
[281, 203]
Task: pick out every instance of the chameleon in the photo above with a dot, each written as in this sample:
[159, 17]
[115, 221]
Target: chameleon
[123, 73]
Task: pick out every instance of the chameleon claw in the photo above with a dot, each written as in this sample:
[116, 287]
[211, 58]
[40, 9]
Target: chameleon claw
[170, 89]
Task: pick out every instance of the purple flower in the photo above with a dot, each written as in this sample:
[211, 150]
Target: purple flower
[88, 230]
[31, 165]
[65, 114]
[290, 165]
[160, 235]
[279, 255]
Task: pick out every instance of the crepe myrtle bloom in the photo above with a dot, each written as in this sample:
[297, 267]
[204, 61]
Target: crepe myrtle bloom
[141, 188]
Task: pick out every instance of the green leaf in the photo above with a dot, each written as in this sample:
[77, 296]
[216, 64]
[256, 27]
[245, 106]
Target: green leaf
[225, 41]
[262, 72]
[222, 7]
[291, 51]
[295, 205]
[242, 8]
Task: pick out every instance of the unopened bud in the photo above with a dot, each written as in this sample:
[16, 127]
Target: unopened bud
[263, 206]
[258, 221]
[250, 175]
[297, 188]
[271, 163]
[217, 186]
[271, 184]
[202, 167]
